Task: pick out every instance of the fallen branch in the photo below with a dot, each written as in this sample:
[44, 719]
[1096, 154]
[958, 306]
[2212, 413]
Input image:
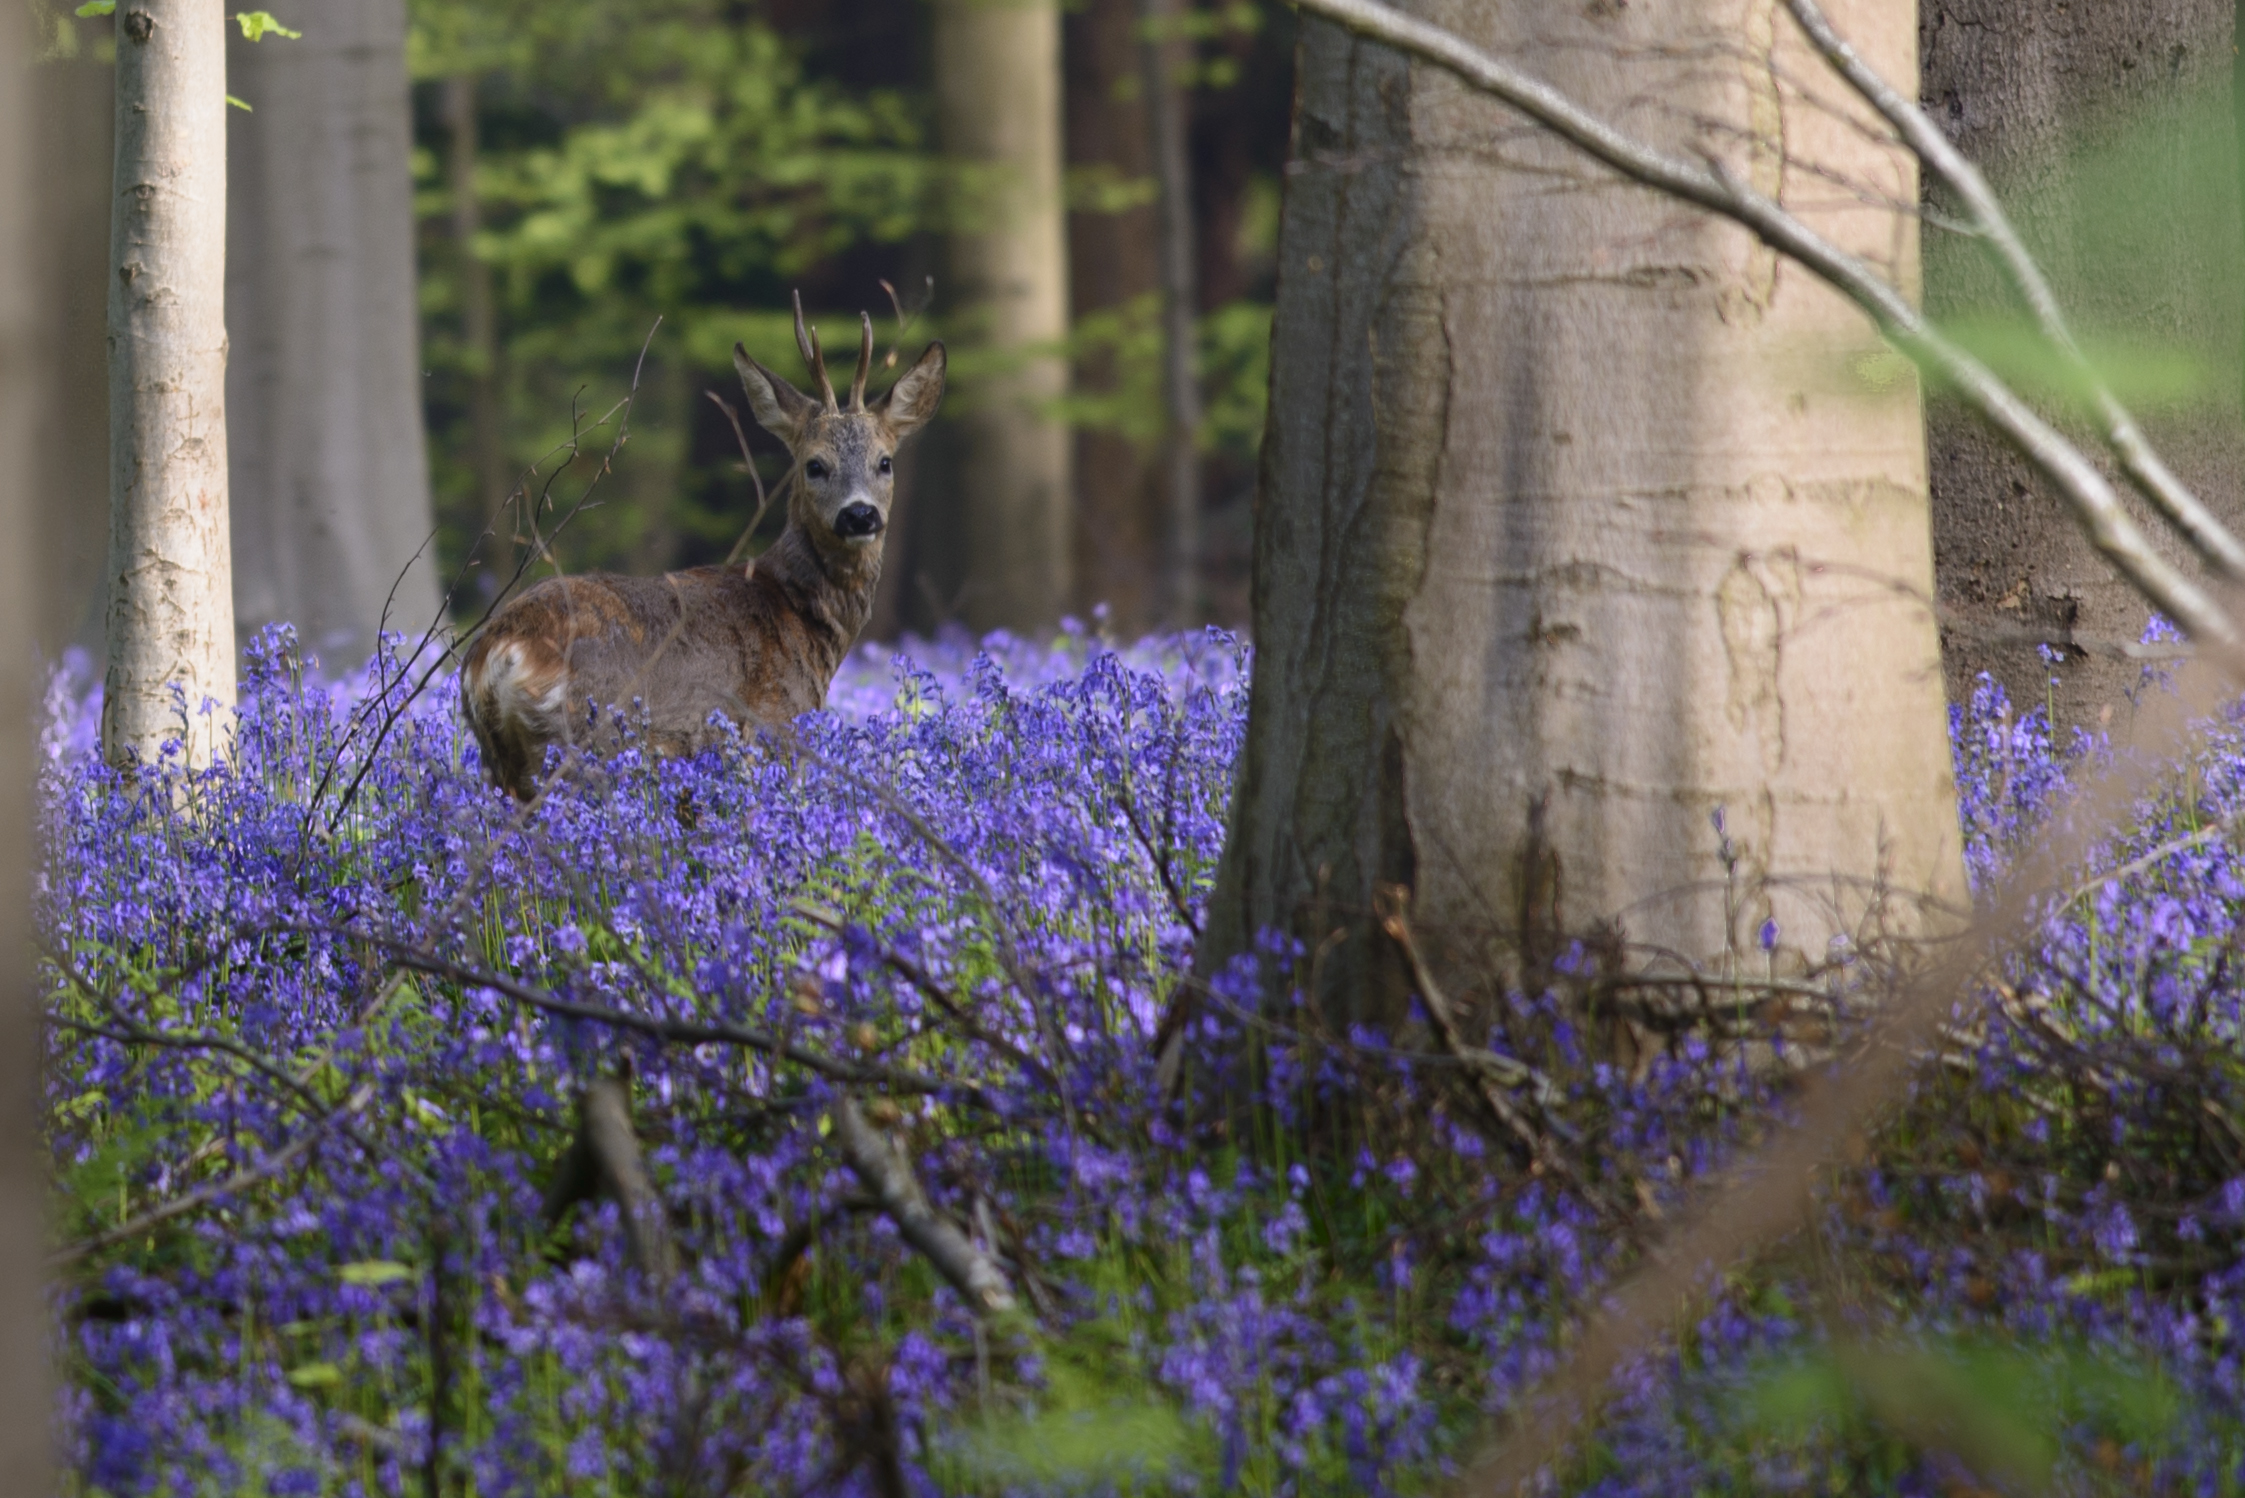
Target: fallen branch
[881, 1166]
[604, 1160]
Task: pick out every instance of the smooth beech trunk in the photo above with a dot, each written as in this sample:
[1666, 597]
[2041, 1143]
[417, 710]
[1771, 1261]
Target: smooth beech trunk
[997, 72]
[331, 476]
[1582, 518]
[171, 601]
[27, 321]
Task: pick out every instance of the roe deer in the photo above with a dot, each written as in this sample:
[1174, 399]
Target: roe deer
[758, 644]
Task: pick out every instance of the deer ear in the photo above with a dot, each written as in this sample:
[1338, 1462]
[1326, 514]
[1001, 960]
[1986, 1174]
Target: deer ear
[911, 401]
[779, 407]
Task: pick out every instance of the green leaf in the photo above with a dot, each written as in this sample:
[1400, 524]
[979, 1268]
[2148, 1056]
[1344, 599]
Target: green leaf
[256, 23]
[315, 1376]
[374, 1272]
[239, 104]
[97, 8]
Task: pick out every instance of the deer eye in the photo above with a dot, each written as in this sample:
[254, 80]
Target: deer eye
[884, 465]
[815, 468]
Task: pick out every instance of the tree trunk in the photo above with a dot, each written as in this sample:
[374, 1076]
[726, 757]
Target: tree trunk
[74, 102]
[479, 337]
[27, 321]
[654, 461]
[331, 485]
[171, 601]
[1113, 262]
[1574, 528]
[1162, 55]
[2109, 130]
[997, 69]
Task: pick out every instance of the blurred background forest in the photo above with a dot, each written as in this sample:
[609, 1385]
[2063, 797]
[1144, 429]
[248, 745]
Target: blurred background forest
[580, 169]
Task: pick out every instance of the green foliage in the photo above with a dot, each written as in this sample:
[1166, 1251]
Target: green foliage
[258, 24]
[2006, 1410]
[1235, 362]
[676, 160]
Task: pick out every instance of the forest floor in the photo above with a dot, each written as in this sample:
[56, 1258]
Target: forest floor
[346, 1203]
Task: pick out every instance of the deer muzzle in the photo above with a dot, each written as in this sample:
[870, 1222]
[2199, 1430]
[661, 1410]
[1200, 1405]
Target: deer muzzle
[858, 523]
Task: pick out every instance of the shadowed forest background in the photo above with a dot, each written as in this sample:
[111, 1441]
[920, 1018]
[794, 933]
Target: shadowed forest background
[578, 171]
[698, 162]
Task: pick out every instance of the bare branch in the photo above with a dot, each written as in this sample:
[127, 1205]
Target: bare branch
[682, 1032]
[888, 1175]
[748, 462]
[605, 1160]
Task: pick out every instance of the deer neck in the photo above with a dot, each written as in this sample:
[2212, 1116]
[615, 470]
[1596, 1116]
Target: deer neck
[831, 592]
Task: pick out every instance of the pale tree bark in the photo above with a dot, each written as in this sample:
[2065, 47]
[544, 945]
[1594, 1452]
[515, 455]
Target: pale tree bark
[997, 70]
[171, 603]
[2109, 131]
[1575, 528]
[27, 322]
[330, 473]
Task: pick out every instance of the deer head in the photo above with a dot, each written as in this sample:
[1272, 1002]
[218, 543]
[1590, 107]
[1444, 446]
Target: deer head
[843, 476]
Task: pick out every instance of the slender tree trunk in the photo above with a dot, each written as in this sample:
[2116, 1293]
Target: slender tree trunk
[997, 69]
[1162, 52]
[331, 487]
[171, 601]
[27, 321]
[1574, 528]
[2110, 130]
[1113, 261]
[479, 332]
[655, 460]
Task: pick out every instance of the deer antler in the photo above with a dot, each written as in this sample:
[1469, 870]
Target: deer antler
[806, 342]
[864, 361]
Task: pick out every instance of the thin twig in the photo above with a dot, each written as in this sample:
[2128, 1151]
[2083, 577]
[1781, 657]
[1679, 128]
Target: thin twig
[265, 1170]
[680, 1032]
[748, 463]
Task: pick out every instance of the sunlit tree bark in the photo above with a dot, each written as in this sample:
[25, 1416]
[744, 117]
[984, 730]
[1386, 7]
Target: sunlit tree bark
[171, 604]
[330, 464]
[997, 74]
[1583, 518]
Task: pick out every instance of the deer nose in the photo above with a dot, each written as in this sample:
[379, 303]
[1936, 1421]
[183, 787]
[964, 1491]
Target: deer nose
[858, 520]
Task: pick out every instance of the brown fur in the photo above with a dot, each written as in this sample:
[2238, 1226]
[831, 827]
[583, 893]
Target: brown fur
[756, 645]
